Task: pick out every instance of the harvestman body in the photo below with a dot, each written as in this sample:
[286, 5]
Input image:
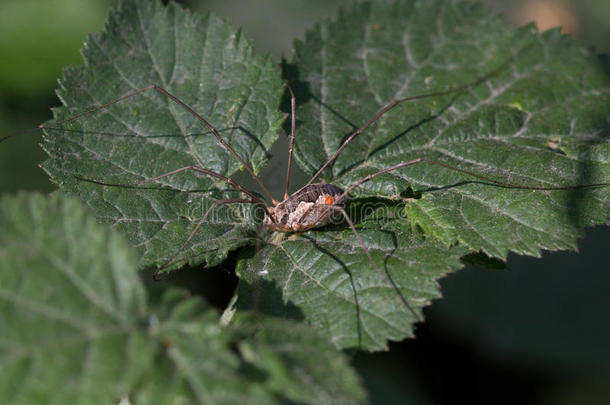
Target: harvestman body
[313, 205]
[305, 209]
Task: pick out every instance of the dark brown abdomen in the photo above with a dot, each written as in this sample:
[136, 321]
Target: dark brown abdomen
[310, 193]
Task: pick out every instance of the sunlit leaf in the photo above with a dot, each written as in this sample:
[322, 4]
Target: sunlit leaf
[538, 117]
[211, 67]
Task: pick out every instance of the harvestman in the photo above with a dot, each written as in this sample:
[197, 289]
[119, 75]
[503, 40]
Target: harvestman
[313, 205]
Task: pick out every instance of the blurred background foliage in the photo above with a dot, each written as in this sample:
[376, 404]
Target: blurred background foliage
[535, 334]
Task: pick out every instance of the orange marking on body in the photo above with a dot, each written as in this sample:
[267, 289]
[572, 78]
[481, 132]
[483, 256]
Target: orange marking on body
[329, 200]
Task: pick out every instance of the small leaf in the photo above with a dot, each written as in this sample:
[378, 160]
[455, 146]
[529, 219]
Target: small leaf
[538, 118]
[76, 327]
[297, 361]
[275, 361]
[211, 67]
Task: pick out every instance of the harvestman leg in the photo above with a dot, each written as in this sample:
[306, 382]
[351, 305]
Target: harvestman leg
[343, 146]
[201, 221]
[187, 108]
[457, 169]
[381, 112]
[391, 106]
[292, 136]
[386, 278]
[253, 198]
[256, 200]
[367, 178]
[410, 163]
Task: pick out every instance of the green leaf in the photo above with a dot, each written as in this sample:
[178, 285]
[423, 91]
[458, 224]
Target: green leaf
[506, 128]
[328, 276]
[76, 327]
[68, 306]
[538, 118]
[299, 364]
[275, 361]
[211, 67]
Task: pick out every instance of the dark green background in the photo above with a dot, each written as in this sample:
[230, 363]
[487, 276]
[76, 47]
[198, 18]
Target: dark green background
[537, 333]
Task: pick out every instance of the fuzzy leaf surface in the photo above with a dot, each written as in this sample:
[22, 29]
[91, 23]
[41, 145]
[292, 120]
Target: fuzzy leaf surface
[326, 278]
[513, 126]
[538, 117]
[77, 327]
[208, 65]
[509, 127]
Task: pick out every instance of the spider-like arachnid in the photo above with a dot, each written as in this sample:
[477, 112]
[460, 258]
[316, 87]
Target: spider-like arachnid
[462, 153]
[313, 205]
